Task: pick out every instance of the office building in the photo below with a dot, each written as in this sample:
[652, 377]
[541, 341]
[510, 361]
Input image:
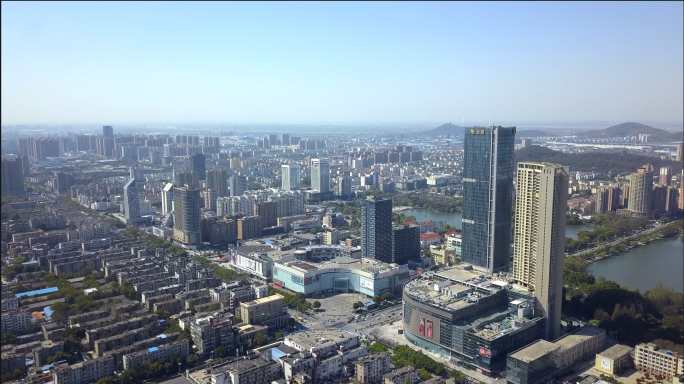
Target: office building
[131, 202]
[650, 358]
[199, 165]
[640, 190]
[238, 185]
[167, 199]
[187, 228]
[344, 187]
[269, 311]
[217, 180]
[376, 229]
[542, 192]
[291, 175]
[614, 360]
[320, 175]
[680, 149]
[405, 244]
[487, 188]
[665, 176]
[12, 176]
[108, 131]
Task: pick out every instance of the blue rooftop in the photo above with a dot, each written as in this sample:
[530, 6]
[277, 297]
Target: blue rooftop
[37, 292]
[162, 336]
[269, 242]
[153, 349]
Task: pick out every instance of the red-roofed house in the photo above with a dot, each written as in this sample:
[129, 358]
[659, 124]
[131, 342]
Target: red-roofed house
[428, 239]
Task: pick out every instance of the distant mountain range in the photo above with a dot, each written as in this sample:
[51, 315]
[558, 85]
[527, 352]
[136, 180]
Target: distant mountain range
[633, 129]
[445, 129]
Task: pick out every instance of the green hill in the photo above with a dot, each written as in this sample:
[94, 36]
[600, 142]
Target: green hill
[594, 161]
[445, 129]
[633, 129]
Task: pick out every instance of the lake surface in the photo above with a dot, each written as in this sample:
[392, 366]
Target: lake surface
[644, 267]
[454, 219]
[571, 230]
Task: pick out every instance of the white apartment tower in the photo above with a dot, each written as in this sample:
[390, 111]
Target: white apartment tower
[291, 175]
[320, 175]
[541, 205]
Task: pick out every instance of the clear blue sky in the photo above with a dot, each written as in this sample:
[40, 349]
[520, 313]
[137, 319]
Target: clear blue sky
[341, 62]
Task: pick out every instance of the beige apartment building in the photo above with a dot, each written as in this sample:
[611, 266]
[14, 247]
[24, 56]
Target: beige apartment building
[541, 204]
[270, 311]
[650, 358]
[371, 369]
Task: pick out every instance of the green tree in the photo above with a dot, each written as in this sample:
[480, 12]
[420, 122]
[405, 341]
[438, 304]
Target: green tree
[108, 380]
[260, 339]
[424, 375]
[316, 304]
[61, 355]
[9, 338]
[192, 359]
[458, 376]
[164, 314]
[279, 335]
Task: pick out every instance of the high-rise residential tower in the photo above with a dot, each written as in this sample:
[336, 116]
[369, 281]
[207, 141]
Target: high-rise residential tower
[291, 174]
[285, 138]
[217, 179]
[343, 188]
[108, 131]
[167, 199]
[238, 185]
[187, 216]
[131, 201]
[12, 176]
[640, 189]
[541, 204]
[376, 229]
[320, 175]
[199, 165]
[665, 176]
[680, 149]
[487, 193]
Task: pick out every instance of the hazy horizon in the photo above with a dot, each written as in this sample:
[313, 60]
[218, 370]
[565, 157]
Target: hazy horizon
[356, 64]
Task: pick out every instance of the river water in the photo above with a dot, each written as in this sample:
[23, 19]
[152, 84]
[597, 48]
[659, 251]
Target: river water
[644, 267]
[639, 268]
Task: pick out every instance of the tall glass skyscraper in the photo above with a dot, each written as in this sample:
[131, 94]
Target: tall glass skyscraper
[487, 197]
[320, 175]
[376, 229]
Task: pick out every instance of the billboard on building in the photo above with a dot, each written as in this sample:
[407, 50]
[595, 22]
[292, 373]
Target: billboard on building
[368, 284]
[429, 329]
[485, 352]
[422, 326]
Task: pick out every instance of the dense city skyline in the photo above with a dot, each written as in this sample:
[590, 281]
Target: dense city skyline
[487, 63]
